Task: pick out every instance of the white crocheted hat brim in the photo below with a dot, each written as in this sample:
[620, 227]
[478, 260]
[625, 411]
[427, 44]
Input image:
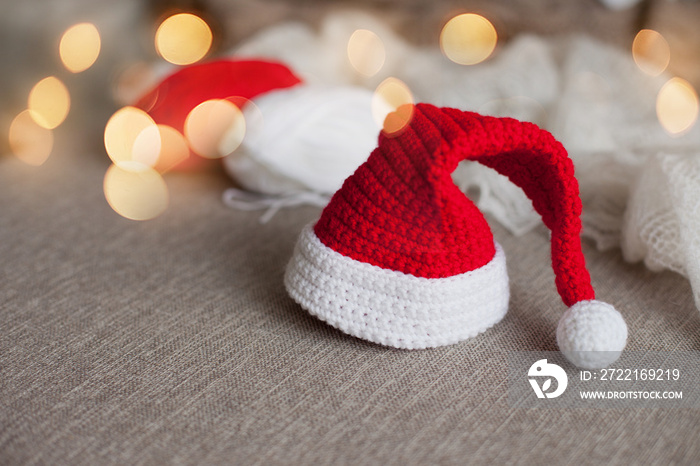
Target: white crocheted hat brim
[392, 308]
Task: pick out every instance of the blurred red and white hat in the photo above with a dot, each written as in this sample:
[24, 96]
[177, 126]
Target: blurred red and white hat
[299, 137]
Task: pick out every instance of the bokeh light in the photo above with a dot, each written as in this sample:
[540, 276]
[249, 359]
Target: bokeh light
[677, 106]
[79, 47]
[135, 191]
[215, 128]
[147, 146]
[366, 52]
[31, 143]
[174, 148]
[253, 118]
[49, 102]
[651, 52]
[468, 39]
[132, 135]
[183, 39]
[392, 105]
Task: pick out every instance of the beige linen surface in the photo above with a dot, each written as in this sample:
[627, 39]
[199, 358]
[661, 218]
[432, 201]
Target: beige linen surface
[173, 341]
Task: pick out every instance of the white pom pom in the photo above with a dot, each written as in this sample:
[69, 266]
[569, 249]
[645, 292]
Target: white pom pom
[592, 334]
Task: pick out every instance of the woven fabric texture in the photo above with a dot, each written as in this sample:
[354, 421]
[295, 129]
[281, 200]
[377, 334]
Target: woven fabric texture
[174, 342]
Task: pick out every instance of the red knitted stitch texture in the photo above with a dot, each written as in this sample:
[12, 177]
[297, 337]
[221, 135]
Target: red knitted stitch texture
[401, 210]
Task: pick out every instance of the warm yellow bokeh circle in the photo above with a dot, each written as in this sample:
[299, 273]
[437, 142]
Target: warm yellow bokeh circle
[468, 39]
[183, 39]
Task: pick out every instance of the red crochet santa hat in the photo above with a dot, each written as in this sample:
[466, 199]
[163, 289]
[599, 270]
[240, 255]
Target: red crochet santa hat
[401, 257]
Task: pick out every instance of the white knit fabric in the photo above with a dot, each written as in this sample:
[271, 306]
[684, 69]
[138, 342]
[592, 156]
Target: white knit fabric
[392, 308]
[662, 221]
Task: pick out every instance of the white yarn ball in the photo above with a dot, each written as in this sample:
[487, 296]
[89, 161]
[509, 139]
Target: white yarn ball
[592, 334]
[311, 137]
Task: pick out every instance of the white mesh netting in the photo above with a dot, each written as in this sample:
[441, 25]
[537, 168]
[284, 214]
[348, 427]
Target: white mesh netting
[662, 222]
